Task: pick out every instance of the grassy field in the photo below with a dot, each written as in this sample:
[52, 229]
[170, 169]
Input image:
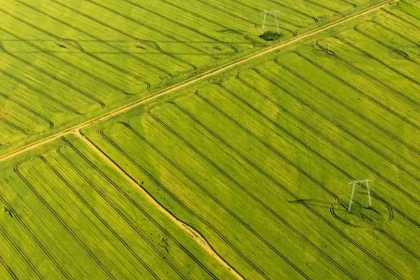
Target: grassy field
[65, 62]
[242, 175]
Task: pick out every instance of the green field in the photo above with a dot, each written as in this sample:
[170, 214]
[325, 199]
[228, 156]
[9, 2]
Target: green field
[243, 174]
[64, 62]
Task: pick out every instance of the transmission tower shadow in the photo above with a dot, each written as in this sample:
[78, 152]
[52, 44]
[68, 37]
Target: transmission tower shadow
[312, 202]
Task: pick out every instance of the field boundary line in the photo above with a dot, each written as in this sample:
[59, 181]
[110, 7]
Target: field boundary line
[190, 231]
[193, 80]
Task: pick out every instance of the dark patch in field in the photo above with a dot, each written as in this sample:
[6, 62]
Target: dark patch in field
[270, 36]
[61, 46]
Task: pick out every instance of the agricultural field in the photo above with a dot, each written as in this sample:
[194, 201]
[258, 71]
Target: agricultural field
[70, 216]
[65, 62]
[267, 151]
[242, 174]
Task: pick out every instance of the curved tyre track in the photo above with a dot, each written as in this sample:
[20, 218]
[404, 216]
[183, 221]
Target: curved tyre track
[259, 11]
[319, 134]
[406, 193]
[354, 46]
[22, 105]
[79, 69]
[206, 19]
[382, 231]
[365, 73]
[355, 112]
[127, 72]
[399, 35]
[295, 10]
[322, 6]
[194, 67]
[337, 146]
[42, 93]
[54, 77]
[405, 248]
[92, 36]
[391, 48]
[292, 194]
[14, 126]
[122, 70]
[115, 208]
[182, 25]
[370, 98]
[237, 17]
[350, 3]
[102, 220]
[199, 77]
[398, 17]
[348, 43]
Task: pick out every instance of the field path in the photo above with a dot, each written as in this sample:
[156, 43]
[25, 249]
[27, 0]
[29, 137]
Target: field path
[196, 236]
[210, 73]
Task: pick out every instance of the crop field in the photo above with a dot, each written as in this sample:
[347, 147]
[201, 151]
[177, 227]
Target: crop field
[64, 62]
[241, 174]
[62, 202]
[268, 150]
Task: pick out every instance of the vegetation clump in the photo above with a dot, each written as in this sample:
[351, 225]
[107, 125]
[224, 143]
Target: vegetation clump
[270, 36]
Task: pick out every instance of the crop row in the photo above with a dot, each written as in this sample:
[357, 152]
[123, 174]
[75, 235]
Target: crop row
[125, 154]
[243, 188]
[61, 220]
[19, 252]
[7, 269]
[82, 77]
[338, 147]
[180, 256]
[34, 238]
[326, 117]
[136, 229]
[300, 170]
[77, 66]
[179, 200]
[297, 140]
[264, 139]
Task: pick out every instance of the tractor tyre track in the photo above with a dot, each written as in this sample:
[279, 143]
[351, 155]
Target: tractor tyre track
[94, 77]
[8, 269]
[54, 77]
[347, 131]
[62, 222]
[34, 238]
[249, 193]
[92, 36]
[132, 201]
[179, 201]
[319, 134]
[21, 253]
[295, 197]
[370, 98]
